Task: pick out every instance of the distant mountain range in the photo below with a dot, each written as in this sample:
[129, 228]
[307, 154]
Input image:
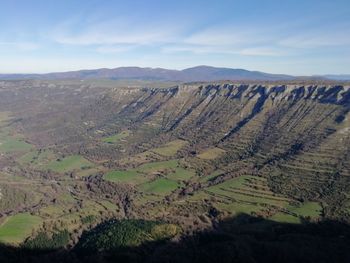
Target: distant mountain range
[338, 77]
[200, 73]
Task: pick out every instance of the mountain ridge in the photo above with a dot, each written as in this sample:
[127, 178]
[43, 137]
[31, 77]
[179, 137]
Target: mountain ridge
[198, 73]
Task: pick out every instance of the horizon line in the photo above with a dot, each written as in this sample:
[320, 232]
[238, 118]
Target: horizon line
[166, 68]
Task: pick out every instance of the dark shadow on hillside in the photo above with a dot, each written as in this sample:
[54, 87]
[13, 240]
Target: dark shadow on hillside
[240, 239]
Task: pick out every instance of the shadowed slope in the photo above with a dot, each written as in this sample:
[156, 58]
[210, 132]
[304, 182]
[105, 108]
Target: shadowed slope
[240, 239]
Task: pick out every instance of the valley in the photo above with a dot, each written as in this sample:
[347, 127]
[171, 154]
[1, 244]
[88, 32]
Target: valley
[75, 154]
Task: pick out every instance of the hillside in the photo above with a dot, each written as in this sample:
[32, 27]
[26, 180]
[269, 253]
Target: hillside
[75, 155]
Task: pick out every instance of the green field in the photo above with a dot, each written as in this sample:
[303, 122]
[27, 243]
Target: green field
[251, 189]
[181, 174]
[18, 227]
[10, 141]
[138, 175]
[169, 169]
[308, 209]
[69, 164]
[117, 137]
[244, 194]
[285, 218]
[160, 186]
[251, 194]
[238, 207]
[130, 176]
[13, 144]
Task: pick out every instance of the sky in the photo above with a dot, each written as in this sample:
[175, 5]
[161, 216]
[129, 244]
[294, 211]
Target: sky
[299, 37]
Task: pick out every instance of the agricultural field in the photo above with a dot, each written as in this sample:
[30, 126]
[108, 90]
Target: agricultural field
[12, 143]
[17, 228]
[129, 176]
[69, 164]
[249, 189]
[170, 170]
[181, 174]
[153, 180]
[293, 214]
[138, 175]
[251, 194]
[160, 186]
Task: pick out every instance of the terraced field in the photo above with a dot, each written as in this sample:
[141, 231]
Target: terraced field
[251, 194]
[157, 177]
[246, 189]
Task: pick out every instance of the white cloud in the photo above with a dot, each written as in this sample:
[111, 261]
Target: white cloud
[263, 51]
[316, 41]
[122, 35]
[212, 37]
[110, 49]
[114, 32]
[197, 49]
[243, 41]
[232, 50]
[227, 36]
[329, 36]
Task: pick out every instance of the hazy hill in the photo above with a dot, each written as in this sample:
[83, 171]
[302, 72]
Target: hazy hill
[200, 73]
[338, 77]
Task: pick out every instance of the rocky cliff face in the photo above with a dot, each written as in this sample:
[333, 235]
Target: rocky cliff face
[296, 136]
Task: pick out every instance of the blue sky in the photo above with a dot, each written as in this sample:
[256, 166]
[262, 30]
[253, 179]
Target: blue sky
[300, 37]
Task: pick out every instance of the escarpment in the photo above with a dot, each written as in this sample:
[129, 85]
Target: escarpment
[296, 136]
[280, 146]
